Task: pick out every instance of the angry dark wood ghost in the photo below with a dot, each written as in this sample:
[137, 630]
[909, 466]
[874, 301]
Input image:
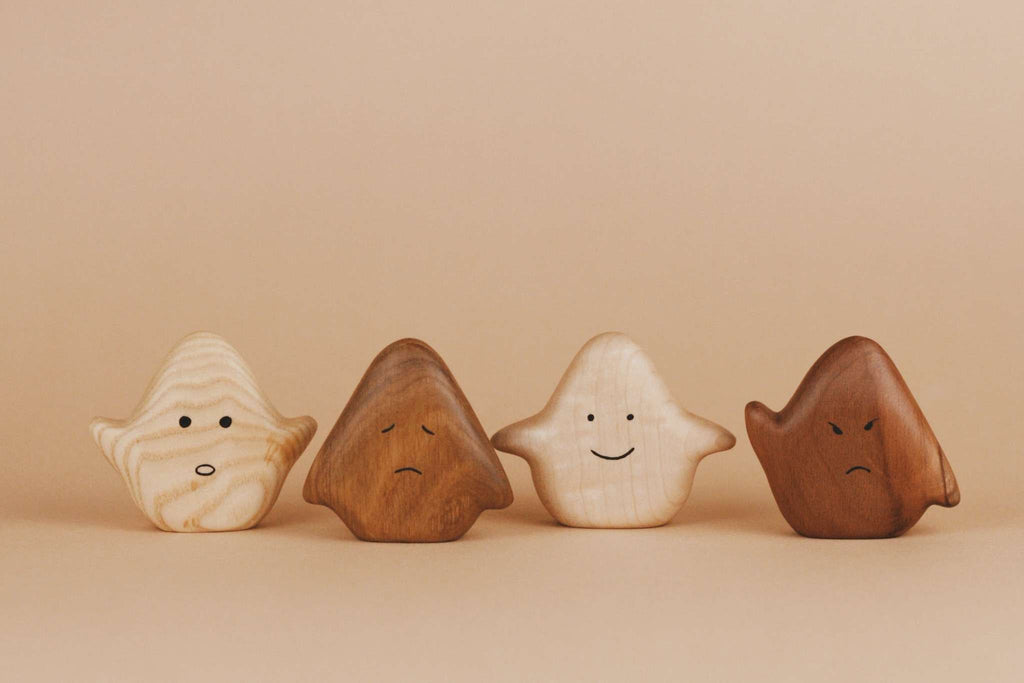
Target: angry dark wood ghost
[408, 460]
[851, 455]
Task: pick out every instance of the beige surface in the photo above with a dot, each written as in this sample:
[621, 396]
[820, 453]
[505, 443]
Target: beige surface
[736, 188]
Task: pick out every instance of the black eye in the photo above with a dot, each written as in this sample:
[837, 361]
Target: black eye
[387, 429]
[630, 416]
[225, 422]
[184, 421]
[205, 470]
[835, 428]
[427, 430]
[590, 417]
[869, 425]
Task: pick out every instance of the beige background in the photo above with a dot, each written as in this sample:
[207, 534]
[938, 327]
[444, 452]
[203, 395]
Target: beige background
[736, 185]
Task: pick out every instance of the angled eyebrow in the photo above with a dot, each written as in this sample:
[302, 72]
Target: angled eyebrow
[426, 430]
[387, 429]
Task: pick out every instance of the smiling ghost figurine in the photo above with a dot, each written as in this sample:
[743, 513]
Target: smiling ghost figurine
[851, 455]
[611, 448]
[204, 450]
[408, 460]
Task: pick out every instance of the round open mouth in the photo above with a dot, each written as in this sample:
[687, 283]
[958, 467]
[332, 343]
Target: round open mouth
[858, 467]
[408, 469]
[612, 457]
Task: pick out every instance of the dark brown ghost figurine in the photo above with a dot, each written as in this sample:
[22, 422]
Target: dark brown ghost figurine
[408, 460]
[851, 455]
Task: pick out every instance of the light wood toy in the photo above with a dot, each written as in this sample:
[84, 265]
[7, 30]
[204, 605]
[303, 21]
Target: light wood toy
[611, 448]
[408, 460]
[851, 455]
[204, 450]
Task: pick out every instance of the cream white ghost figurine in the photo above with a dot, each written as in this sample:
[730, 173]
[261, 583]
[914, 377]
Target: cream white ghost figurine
[204, 450]
[612, 449]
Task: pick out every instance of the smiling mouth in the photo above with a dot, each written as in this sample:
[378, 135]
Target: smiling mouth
[858, 467]
[610, 457]
[408, 469]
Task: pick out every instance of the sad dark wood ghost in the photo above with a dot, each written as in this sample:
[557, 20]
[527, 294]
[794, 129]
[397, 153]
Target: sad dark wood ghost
[408, 460]
[851, 455]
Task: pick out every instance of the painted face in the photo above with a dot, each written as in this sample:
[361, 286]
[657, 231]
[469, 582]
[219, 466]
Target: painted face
[851, 455]
[612, 448]
[407, 459]
[205, 450]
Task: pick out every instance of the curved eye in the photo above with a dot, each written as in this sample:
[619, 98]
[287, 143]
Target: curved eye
[424, 428]
[630, 416]
[205, 470]
[590, 418]
[388, 429]
[869, 425]
[225, 422]
[835, 428]
[184, 421]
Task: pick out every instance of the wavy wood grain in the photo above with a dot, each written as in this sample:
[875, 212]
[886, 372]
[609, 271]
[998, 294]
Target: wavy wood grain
[612, 448]
[211, 474]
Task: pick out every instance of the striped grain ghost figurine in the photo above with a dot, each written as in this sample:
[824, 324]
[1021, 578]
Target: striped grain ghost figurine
[204, 450]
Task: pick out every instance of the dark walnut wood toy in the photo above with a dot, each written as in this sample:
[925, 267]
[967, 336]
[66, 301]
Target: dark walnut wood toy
[851, 455]
[407, 459]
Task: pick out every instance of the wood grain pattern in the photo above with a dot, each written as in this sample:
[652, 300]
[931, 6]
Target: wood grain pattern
[612, 448]
[408, 460]
[851, 455]
[204, 450]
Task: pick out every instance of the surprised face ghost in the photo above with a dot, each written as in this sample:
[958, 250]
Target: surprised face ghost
[205, 450]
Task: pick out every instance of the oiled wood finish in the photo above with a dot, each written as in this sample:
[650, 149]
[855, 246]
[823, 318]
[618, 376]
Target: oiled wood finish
[612, 448]
[407, 459]
[851, 455]
[204, 450]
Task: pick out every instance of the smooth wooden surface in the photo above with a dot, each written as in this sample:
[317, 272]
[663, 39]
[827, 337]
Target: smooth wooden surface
[407, 459]
[851, 455]
[612, 449]
[204, 450]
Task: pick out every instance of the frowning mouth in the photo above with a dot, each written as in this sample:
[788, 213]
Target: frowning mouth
[408, 469]
[858, 467]
[612, 457]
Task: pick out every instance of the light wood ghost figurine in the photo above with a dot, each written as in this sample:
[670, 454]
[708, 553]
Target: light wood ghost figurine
[851, 455]
[611, 448]
[204, 450]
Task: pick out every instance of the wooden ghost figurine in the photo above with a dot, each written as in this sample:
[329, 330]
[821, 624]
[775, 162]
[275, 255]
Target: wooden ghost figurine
[204, 450]
[407, 459]
[612, 448]
[851, 455]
